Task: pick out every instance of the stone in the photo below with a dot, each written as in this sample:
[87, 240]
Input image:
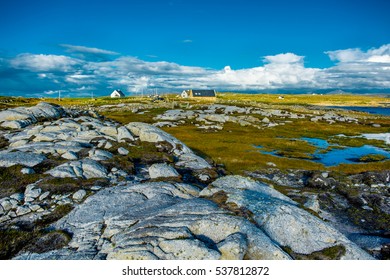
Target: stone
[110, 131]
[44, 195]
[150, 133]
[131, 255]
[23, 116]
[92, 169]
[6, 204]
[108, 145]
[123, 151]
[35, 208]
[8, 159]
[99, 155]
[325, 174]
[16, 124]
[86, 168]
[312, 203]
[4, 219]
[70, 155]
[63, 171]
[18, 143]
[188, 249]
[192, 161]
[265, 120]
[124, 134]
[27, 171]
[155, 221]
[22, 210]
[162, 170]
[233, 247]
[79, 195]
[31, 193]
[271, 164]
[281, 219]
[18, 197]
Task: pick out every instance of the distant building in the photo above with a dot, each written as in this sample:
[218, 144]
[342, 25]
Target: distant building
[194, 93]
[117, 94]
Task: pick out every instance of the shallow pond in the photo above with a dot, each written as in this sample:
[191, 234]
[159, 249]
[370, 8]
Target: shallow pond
[337, 155]
[372, 110]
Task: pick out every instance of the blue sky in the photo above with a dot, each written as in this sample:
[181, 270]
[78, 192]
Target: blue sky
[247, 45]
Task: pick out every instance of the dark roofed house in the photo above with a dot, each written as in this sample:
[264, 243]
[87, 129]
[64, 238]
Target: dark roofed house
[192, 93]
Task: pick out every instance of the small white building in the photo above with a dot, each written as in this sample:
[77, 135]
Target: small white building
[117, 94]
[191, 93]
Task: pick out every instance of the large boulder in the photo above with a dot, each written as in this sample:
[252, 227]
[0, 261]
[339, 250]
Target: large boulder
[23, 116]
[281, 219]
[150, 133]
[157, 221]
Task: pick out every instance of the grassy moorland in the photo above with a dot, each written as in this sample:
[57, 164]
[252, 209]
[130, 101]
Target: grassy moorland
[235, 145]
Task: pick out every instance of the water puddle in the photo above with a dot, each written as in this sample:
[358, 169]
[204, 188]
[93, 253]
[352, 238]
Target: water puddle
[337, 154]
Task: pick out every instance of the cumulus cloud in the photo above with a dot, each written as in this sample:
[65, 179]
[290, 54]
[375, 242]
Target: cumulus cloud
[284, 58]
[379, 55]
[28, 74]
[43, 62]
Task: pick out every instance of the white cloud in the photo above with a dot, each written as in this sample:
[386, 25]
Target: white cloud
[83, 49]
[43, 62]
[379, 55]
[187, 41]
[354, 70]
[284, 58]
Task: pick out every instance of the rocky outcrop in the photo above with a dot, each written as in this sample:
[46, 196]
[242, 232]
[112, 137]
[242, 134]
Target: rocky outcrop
[158, 221]
[84, 182]
[13, 158]
[280, 218]
[23, 116]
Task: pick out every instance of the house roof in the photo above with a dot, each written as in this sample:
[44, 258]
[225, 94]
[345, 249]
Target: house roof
[203, 93]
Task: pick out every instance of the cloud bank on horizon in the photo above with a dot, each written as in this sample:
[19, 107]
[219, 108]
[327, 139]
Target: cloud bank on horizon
[85, 69]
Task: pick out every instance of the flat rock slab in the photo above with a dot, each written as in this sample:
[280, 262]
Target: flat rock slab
[157, 221]
[281, 218]
[8, 159]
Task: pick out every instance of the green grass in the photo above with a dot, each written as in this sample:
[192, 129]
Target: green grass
[372, 158]
[13, 181]
[330, 253]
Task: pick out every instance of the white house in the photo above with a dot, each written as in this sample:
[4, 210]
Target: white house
[208, 93]
[117, 94]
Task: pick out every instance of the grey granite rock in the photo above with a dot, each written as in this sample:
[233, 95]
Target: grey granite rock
[162, 170]
[79, 195]
[281, 219]
[8, 159]
[155, 221]
[123, 151]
